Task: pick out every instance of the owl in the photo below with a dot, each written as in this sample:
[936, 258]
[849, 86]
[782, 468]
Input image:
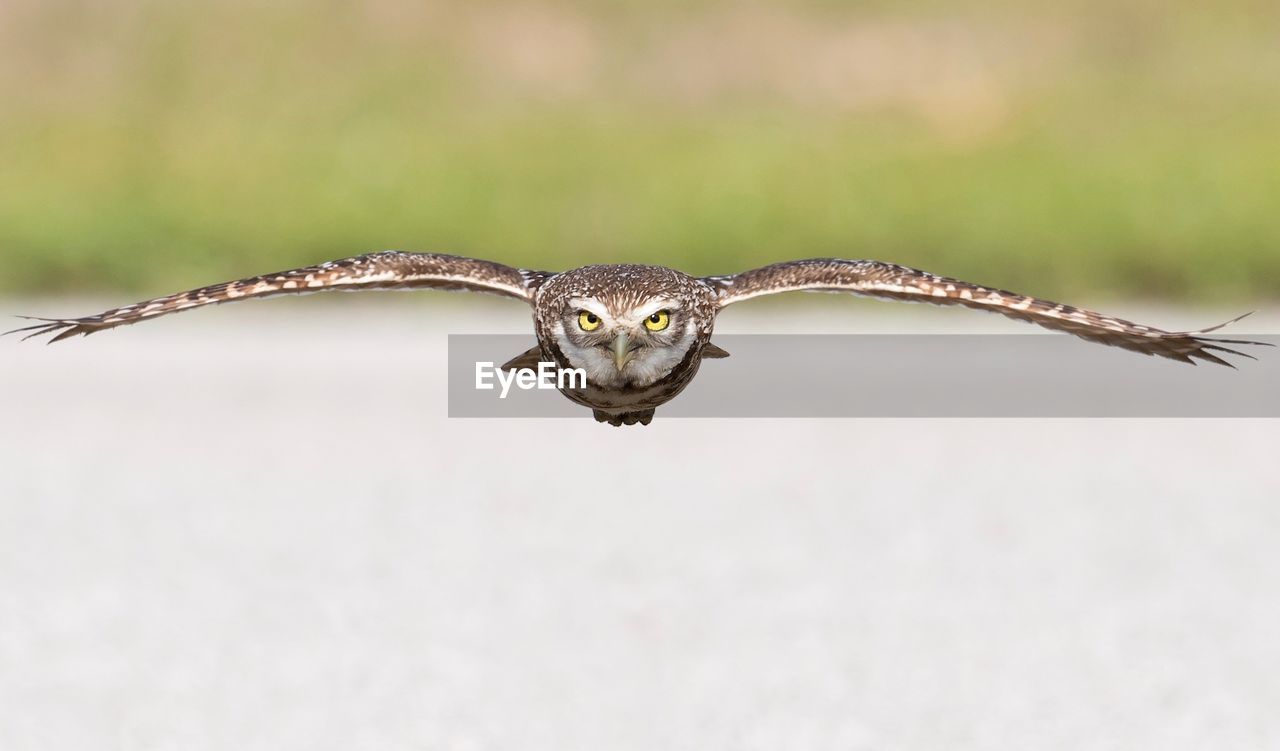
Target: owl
[640, 333]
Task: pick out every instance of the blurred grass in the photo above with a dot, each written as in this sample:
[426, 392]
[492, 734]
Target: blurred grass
[1092, 150]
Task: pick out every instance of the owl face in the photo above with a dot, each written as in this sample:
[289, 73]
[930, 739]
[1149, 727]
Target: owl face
[624, 343]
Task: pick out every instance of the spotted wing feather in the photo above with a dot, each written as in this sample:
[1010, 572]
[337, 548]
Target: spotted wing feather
[894, 282]
[374, 271]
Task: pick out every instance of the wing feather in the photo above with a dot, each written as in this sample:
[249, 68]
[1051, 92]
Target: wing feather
[894, 282]
[386, 270]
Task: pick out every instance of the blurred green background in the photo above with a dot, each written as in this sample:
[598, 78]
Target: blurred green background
[1084, 149]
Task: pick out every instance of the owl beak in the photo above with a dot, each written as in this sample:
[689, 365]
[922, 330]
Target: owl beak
[621, 351]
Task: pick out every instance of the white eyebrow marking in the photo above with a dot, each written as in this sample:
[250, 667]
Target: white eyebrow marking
[591, 306]
[653, 306]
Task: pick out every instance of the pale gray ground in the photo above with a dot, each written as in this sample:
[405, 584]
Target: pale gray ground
[253, 528]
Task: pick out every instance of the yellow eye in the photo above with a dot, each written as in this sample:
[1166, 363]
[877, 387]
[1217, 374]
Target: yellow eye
[658, 321]
[588, 321]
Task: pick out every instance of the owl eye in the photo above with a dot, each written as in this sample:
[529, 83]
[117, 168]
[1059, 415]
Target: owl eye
[658, 321]
[588, 321]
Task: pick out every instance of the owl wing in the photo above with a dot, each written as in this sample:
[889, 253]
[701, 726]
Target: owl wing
[386, 270]
[894, 282]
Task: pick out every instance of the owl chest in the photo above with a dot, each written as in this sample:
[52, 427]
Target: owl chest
[619, 394]
[629, 397]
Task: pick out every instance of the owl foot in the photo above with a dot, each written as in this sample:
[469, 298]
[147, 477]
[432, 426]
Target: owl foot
[626, 418]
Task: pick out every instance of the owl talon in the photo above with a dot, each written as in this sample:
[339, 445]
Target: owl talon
[626, 418]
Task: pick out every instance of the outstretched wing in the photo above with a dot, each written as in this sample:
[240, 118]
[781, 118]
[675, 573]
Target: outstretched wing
[386, 270]
[894, 282]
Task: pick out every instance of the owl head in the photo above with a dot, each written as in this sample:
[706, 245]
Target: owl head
[628, 334]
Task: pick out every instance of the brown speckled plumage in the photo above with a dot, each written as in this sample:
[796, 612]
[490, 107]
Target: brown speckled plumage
[894, 282]
[624, 286]
[628, 287]
[390, 269]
